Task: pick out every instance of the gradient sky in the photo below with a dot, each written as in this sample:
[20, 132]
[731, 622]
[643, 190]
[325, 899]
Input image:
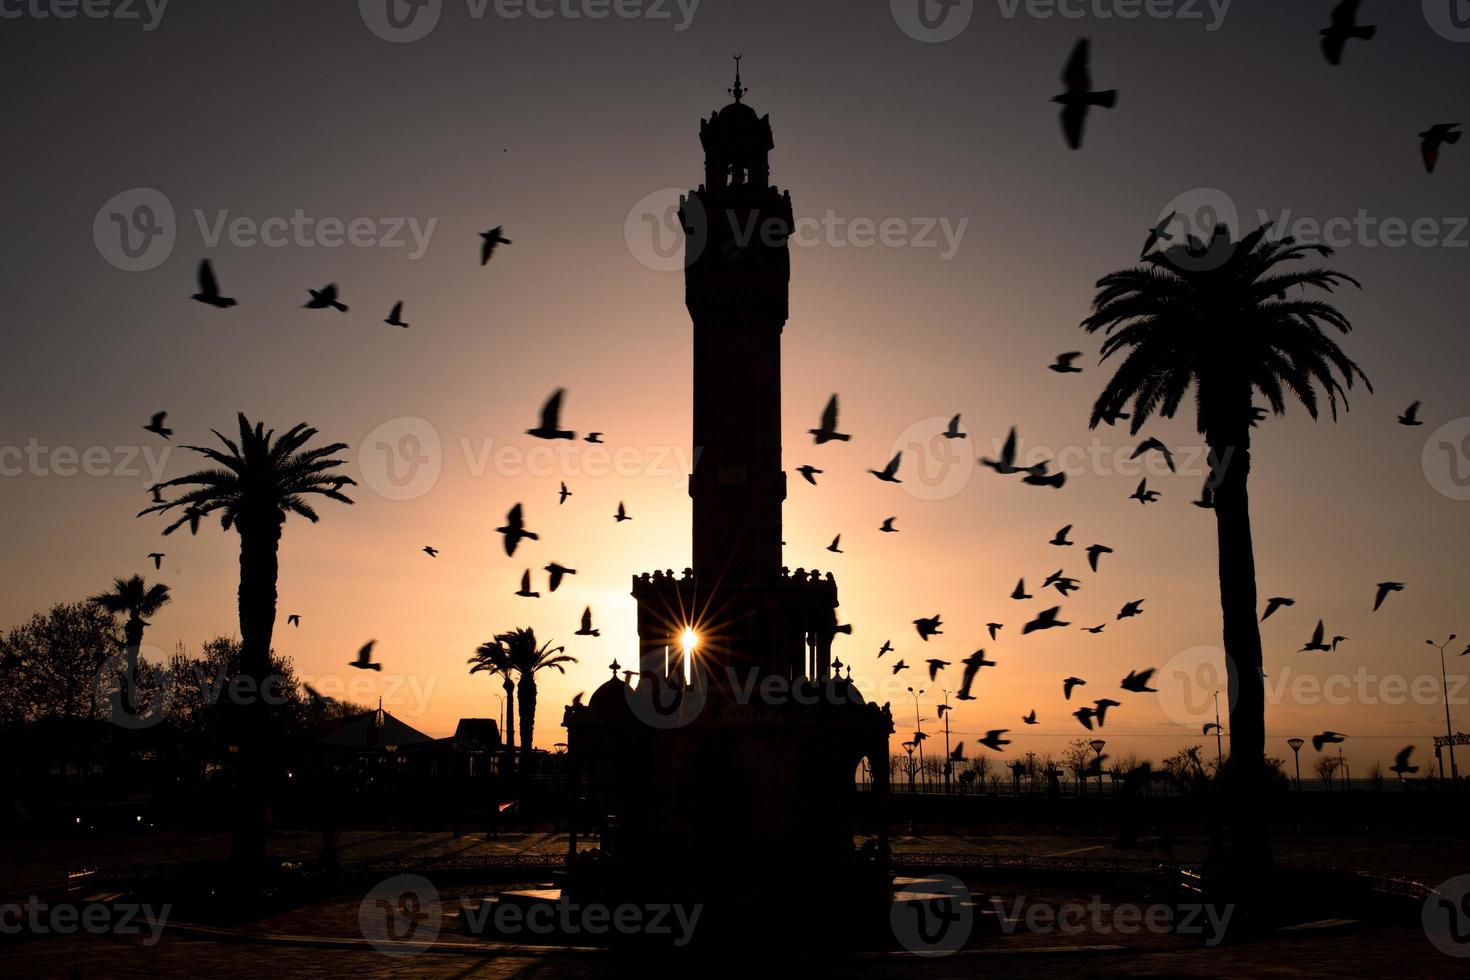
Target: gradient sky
[558, 128]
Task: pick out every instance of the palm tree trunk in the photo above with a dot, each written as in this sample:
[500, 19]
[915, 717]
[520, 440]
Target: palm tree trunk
[509, 735]
[526, 692]
[260, 538]
[132, 643]
[1245, 775]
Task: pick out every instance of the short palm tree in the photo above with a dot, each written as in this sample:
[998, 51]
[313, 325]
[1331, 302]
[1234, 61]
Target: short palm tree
[528, 658]
[492, 657]
[253, 486]
[1225, 329]
[137, 600]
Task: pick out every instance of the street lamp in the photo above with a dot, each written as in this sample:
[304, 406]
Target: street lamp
[918, 724]
[1296, 750]
[1449, 729]
[909, 748]
[1097, 747]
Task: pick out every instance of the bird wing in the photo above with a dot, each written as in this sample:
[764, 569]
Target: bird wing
[1317, 633]
[397, 309]
[207, 284]
[551, 411]
[1076, 76]
[829, 415]
[587, 618]
[1074, 119]
[1345, 14]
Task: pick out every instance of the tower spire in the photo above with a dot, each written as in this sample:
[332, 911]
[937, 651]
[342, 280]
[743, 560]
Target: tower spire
[737, 90]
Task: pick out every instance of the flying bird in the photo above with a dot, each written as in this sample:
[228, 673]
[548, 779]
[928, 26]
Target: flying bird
[1085, 715]
[1433, 138]
[1068, 684]
[587, 629]
[887, 525]
[1326, 738]
[994, 628]
[395, 316]
[1274, 603]
[1066, 586]
[1006, 465]
[887, 647]
[1153, 444]
[1343, 28]
[1031, 718]
[1079, 98]
[1336, 640]
[953, 431]
[1384, 588]
[1143, 494]
[515, 529]
[1137, 681]
[900, 666]
[1315, 643]
[294, 620]
[889, 473]
[1094, 552]
[1020, 591]
[1060, 538]
[826, 430]
[1401, 762]
[1159, 232]
[1100, 709]
[209, 293]
[958, 755]
[1095, 629]
[622, 514]
[809, 473]
[594, 437]
[1209, 726]
[993, 740]
[525, 590]
[929, 627]
[972, 663]
[1037, 476]
[1046, 620]
[935, 666]
[1206, 499]
[1411, 415]
[562, 494]
[833, 546]
[156, 426]
[490, 239]
[364, 659]
[1131, 609]
[157, 557]
[324, 298]
[1111, 418]
[1063, 364]
[431, 551]
[558, 572]
[550, 427]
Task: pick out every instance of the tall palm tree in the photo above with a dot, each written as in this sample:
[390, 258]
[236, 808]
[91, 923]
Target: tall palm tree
[136, 599]
[528, 658]
[1218, 321]
[492, 657]
[253, 486]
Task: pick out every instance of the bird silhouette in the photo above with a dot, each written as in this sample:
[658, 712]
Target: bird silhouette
[1152, 444]
[324, 298]
[1095, 629]
[1085, 715]
[889, 473]
[594, 437]
[1432, 139]
[1343, 28]
[1068, 684]
[157, 557]
[1060, 538]
[1401, 762]
[1384, 588]
[1143, 494]
[887, 526]
[900, 665]
[1210, 726]
[1066, 586]
[488, 241]
[1336, 640]
[550, 427]
[193, 515]
[994, 628]
[558, 572]
[833, 546]
[1274, 603]
[622, 514]
[586, 629]
[826, 430]
[157, 492]
[431, 551]
[395, 316]
[1206, 499]
[993, 740]
[294, 620]
[972, 665]
[1112, 418]
[209, 293]
[1094, 552]
[525, 590]
[1131, 609]
[1063, 364]
[1020, 592]
[1326, 738]
[1006, 465]
[1045, 620]
[514, 530]
[1100, 708]
[1137, 681]
[1411, 415]
[364, 659]
[1037, 476]
[958, 755]
[809, 473]
[1079, 98]
[1159, 232]
[953, 430]
[887, 647]
[562, 494]
[156, 426]
[935, 666]
[1031, 718]
[929, 627]
[1315, 643]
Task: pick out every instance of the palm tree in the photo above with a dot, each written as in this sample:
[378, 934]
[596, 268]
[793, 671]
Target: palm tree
[527, 658]
[137, 599]
[1224, 328]
[492, 657]
[253, 487]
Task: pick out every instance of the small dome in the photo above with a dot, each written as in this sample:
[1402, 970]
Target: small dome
[736, 112]
[611, 698]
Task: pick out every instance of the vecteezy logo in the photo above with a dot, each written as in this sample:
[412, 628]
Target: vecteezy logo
[401, 459]
[1446, 917]
[1188, 225]
[1187, 684]
[1446, 459]
[122, 697]
[935, 466]
[656, 236]
[932, 21]
[663, 706]
[135, 230]
[400, 21]
[932, 916]
[401, 915]
[1449, 18]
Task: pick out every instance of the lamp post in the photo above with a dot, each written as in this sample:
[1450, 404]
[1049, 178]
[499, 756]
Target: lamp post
[918, 726]
[948, 758]
[1219, 752]
[1296, 750]
[1449, 729]
[1097, 747]
[909, 748]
